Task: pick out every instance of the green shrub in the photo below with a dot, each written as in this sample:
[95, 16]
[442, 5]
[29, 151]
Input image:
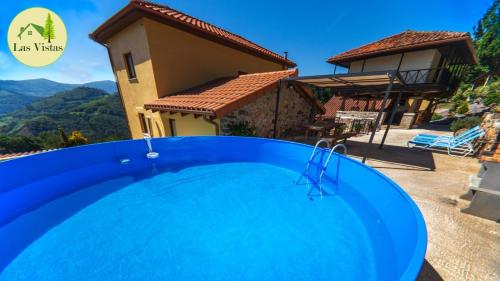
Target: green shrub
[358, 127]
[463, 108]
[492, 98]
[436, 116]
[242, 129]
[490, 94]
[465, 123]
[14, 144]
[340, 129]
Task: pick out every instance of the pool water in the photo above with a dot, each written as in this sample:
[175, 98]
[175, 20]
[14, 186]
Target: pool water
[233, 221]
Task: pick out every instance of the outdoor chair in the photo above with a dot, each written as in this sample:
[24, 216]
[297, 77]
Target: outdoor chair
[433, 137]
[463, 144]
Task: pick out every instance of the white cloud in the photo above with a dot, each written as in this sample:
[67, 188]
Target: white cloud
[5, 62]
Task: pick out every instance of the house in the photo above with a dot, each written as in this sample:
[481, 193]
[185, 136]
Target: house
[249, 99]
[427, 66]
[31, 30]
[179, 75]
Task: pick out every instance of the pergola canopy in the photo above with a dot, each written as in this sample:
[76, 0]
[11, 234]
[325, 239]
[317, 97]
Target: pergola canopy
[378, 83]
[374, 84]
[352, 80]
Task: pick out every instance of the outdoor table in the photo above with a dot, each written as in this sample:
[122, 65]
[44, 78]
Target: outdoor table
[354, 119]
[320, 128]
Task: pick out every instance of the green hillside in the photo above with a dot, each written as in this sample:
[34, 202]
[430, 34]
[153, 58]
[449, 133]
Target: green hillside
[95, 113]
[15, 94]
[45, 87]
[12, 101]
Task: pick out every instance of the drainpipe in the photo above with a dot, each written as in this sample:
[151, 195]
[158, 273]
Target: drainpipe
[118, 87]
[276, 109]
[211, 121]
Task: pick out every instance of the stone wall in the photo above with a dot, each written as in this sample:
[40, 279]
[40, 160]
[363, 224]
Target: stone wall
[491, 125]
[294, 111]
[408, 120]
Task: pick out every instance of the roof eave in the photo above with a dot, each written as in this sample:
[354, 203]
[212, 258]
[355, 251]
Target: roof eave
[111, 26]
[99, 34]
[160, 108]
[343, 61]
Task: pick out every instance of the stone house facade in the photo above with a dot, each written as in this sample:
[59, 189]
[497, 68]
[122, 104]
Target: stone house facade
[294, 111]
[242, 105]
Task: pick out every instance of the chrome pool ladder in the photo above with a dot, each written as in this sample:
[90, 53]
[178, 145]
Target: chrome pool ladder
[306, 173]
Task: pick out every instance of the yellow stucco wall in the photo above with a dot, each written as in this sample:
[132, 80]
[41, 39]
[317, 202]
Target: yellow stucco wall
[143, 89]
[182, 60]
[424, 105]
[168, 60]
[189, 125]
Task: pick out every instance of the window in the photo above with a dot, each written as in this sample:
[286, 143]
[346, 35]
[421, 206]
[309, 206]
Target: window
[129, 62]
[142, 120]
[173, 128]
[150, 126]
[29, 32]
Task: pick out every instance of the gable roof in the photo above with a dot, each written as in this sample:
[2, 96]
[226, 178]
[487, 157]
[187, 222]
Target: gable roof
[405, 41]
[137, 9]
[38, 28]
[225, 95]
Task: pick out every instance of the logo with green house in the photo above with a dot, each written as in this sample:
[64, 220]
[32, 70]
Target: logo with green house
[37, 37]
[47, 32]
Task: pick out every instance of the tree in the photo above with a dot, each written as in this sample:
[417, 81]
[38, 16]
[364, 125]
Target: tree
[487, 41]
[77, 138]
[49, 30]
[64, 138]
[14, 144]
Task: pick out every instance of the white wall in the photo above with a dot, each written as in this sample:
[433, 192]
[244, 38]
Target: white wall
[411, 61]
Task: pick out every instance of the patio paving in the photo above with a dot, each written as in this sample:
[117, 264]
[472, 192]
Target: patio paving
[461, 246]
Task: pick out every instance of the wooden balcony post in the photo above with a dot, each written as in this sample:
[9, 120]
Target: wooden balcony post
[379, 115]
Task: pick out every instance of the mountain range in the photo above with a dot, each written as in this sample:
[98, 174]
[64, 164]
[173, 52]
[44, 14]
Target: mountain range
[94, 112]
[15, 94]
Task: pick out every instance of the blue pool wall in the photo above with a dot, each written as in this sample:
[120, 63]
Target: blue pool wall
[32, 181]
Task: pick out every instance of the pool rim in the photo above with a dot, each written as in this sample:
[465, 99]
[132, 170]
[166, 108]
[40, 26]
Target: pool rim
[414, 266]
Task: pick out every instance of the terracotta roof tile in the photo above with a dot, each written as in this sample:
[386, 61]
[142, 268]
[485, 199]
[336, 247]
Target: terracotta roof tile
[10, 156]
[193, 24]
[221, 96]
[401, 41]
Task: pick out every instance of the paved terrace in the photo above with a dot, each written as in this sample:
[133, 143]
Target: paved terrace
[460, 246]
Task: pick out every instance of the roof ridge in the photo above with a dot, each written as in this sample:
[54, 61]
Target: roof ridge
[229, 34]
[196, 18]
[291, 71]
[397, 41]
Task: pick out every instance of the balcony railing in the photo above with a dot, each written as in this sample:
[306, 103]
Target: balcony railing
[440, 76]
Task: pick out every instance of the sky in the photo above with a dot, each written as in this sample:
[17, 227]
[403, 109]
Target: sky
[311, 31]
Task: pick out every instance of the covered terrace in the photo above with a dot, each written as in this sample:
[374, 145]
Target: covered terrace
[386, 86]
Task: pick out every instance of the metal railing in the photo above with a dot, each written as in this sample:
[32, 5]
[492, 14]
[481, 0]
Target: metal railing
[441, 76]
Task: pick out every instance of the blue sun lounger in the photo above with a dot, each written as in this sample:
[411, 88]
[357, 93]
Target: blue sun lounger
[462, 145]
[462, 135]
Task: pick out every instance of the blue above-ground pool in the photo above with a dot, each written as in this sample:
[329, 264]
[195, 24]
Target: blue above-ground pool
[208, 208]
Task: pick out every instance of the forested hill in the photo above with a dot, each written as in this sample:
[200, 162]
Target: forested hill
[15, 94]
[44, 87]
[95, 113]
